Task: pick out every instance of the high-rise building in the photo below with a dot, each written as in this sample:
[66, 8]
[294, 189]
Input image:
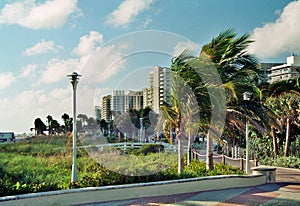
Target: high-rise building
[290, 70]
[118, 101]
[98, 112]
[147, 98]
[134, 100]
[160, 81]
[106, 111]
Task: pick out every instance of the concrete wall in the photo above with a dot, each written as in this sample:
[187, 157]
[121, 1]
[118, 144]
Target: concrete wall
[131, 191]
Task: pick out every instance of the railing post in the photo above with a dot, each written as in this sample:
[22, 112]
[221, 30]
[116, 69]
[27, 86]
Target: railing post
[241, 163]
[223, 159]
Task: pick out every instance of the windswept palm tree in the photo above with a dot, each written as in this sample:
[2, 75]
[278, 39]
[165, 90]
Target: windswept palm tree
[227, 53]
[180, 114]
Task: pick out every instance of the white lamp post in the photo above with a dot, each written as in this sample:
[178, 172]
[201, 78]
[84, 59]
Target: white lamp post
[74, 77]
[141, 129]
[246, 97]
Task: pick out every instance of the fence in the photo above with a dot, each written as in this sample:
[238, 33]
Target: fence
[234, 162]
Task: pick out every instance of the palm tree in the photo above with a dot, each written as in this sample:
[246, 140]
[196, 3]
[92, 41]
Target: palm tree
[237, 69]
[287, 106]
[180, 114]
[144, 114]
[68, 122]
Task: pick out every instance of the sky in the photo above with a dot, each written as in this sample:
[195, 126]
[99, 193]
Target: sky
[115, 44]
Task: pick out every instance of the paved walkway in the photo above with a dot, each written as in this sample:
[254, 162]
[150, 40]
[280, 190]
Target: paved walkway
[286, 191]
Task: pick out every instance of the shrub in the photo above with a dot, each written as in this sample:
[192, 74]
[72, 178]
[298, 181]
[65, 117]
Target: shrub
[289, 162]
[150, 148]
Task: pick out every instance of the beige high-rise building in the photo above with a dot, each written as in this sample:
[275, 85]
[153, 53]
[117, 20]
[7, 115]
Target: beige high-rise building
[106, 111]
[134, 100]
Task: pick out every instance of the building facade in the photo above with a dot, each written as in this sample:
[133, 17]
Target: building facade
[134, 100]
[160, 81]
[287, 71]
[106, 111]
[118, 101]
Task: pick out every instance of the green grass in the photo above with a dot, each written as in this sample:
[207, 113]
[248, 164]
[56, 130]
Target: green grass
[44, 164]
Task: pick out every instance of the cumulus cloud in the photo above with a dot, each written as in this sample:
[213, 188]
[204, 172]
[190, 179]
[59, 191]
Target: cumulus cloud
[127, 11]
[28, 70]
[34, 15]
[6, 80]
[183, 45]
[88, 43]
[280, 36]
[57, 70]
[104, 63]
[42, 47]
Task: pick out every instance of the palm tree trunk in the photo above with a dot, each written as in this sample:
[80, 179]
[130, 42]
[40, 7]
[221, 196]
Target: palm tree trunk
[180, 153]
[189, 159]
[287, 138]
[275, 146]
[209, 153]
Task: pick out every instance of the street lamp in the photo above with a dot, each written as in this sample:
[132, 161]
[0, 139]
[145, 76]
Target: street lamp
[74, 77]
[141, 128]
[246, 97]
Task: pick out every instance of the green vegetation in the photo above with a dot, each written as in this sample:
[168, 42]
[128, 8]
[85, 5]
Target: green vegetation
[44, 164]
[289, 162]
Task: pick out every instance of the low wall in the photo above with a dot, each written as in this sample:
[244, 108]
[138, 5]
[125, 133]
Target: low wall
[131, 191]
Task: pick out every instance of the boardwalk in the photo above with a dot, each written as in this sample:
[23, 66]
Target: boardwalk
[285, 191]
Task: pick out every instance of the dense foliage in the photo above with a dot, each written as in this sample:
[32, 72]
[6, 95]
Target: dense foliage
[44, 164]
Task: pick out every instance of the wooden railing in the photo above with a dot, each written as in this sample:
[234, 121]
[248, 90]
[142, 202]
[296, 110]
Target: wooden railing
[234, 162]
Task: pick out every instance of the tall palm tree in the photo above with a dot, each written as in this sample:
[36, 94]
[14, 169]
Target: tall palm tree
[237, 69]
[180, 114]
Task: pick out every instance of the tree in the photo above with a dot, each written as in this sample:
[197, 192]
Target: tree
[287, 106]
[135, 116]
[68, 122]
[39, 126]
[237, 69]
[179, 115]
[49, 119]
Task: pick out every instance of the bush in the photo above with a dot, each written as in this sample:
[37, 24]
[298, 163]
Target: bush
[289, 162]
[150, 148]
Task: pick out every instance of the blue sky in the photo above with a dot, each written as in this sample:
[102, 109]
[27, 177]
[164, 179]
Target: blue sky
[114, 44]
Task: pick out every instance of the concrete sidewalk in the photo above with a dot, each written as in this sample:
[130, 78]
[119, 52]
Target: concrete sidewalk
[244, 190]
[286, 191]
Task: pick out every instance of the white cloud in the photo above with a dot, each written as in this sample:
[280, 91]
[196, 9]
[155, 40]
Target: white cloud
[127, 11]
[103, 64]
[33, 15]
[31, 104]
[88, 43]
[182, 45]
[28, 70]
[280, 36]
[57, 70]
[6, 80]
[42, 47]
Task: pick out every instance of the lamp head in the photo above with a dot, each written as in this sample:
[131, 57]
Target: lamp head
[74, 77]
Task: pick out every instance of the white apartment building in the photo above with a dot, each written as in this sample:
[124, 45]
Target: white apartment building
[118, 101]
[160, 81]
[290, 70]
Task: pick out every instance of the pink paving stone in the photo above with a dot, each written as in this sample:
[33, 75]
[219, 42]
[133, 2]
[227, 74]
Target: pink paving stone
[293, 187]
[254, 196]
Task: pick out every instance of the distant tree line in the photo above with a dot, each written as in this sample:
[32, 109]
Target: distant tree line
[54, 128]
